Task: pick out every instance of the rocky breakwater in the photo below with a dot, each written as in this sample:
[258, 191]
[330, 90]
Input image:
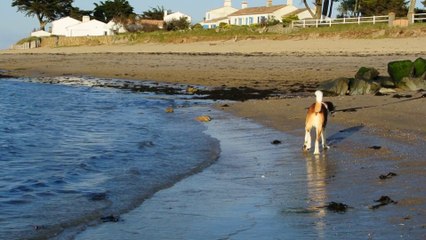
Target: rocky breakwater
[404, 75]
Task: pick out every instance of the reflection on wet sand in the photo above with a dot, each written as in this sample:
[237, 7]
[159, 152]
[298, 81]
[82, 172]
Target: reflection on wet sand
[317, 173]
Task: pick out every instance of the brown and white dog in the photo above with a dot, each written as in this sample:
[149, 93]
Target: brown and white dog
[317, 118]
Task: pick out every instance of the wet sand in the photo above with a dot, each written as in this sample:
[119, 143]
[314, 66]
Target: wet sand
[348, 173]
[258, 190]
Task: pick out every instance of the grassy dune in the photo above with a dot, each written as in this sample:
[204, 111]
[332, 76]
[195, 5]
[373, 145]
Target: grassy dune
[364, 31]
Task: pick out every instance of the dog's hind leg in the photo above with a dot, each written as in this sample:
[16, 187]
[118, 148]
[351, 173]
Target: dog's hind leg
[317, 139]
[308, 140]
[324, 140]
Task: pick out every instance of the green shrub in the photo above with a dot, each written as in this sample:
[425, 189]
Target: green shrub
[288, 19]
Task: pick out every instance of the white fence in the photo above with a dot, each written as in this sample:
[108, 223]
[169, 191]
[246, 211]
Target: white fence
[419, 17]
[329, 22]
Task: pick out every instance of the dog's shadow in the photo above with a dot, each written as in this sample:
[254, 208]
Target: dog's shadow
[343, 134]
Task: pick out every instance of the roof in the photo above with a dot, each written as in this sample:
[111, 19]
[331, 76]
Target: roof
[66, 19]
[89, 23]
[214, 9]
[258, 10]
[215, 20]
[295, 12]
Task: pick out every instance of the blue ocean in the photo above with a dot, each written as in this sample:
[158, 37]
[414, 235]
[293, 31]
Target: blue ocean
[72, 155]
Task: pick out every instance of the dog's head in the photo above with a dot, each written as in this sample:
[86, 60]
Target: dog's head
[330, 107]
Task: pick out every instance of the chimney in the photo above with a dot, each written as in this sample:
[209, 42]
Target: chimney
[269, 3]
[244, 4]
[86, 19]
[290, 2]
[228, 3]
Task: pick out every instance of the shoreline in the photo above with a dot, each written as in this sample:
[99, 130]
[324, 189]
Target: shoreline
[384, 117]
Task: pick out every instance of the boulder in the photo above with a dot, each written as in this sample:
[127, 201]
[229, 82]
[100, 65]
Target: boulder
[169, 110]
[337, 86]
[419, 67]
[386, 90]
[366, 73]
[412, 84]
[203, 118]
[386, 82]
[399, 69]
[361, 87]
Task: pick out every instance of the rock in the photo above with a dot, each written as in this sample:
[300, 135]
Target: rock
[110, 218]
[386, 82]
[191, 90]
[204, 118]
[385, 91]
[361, 87]
[169, 110]
[387, 176]
[367, 74]
[337, 207]
[399, 69]
[383, 201]
[412, 84]
[337, 86]
[419, 67]
[375, 147]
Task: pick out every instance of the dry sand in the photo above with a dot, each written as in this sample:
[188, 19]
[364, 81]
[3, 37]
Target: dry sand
[264, 64]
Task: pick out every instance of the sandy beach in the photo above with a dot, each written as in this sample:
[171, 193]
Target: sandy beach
[290, 66]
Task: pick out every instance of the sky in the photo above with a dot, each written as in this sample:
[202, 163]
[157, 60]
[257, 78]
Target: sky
[15, 25]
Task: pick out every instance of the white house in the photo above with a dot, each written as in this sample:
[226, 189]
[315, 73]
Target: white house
[219, 15]
[40, 33]
[59, 27]
[251, 15]
[116, 27]
[89, 28]
[257, 15]
[175, 16]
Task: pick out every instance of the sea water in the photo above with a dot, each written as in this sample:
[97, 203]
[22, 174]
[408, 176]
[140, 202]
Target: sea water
[72, 155]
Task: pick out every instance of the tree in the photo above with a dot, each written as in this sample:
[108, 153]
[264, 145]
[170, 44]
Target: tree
[154, 13]
[77, 13]
[372, 7]
[178, 24]
[110, 9]
[383, 7]
[45, 10]
[348, 8]
[424, 3]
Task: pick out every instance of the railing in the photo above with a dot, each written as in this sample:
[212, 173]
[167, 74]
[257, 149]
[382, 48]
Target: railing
[419, 17]
[329, 22]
